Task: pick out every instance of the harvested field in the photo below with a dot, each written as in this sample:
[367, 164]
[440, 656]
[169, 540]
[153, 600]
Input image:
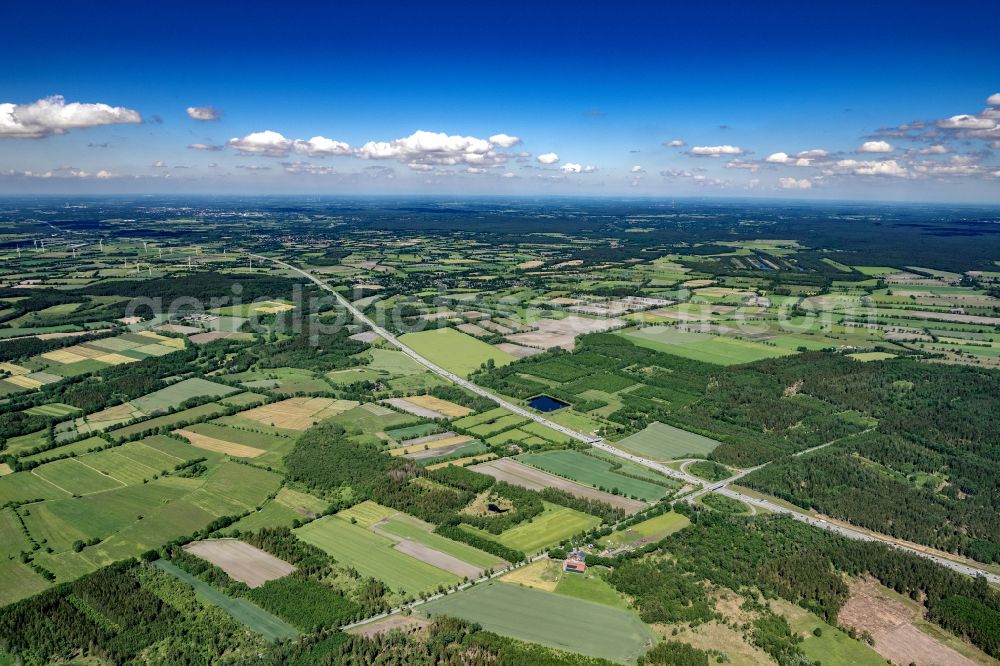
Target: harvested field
[405, 623]
[409, 407]
[474, 329]
[446, 407]
[434, 445]
[427, 438]
[241, 561]
[462, 462]
[891, 624]
[219, 445]
[518, 474]
[438, 559]
[298, 413]
[562, 332]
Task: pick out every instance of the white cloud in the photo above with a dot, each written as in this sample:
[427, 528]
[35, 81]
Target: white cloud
[267, 142]
[158, 164]
[204, 113]
[590, 168]
[636, 169]
[815, 153]
[676, 143]
[715, 151]
[994, 99]
[434, 148]
[779, 158]
[504, 140]
[320, 146]
[750, 165]
[872, 168]
[308, 169]
[53, 115]
[570, 167]
[875, 147]
[477, 170]
[548, 158]
[205, 146]
[965, 121]
[936, 149]
[793, 184]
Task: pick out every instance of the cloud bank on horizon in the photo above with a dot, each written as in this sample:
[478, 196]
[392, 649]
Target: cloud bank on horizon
[443, 134]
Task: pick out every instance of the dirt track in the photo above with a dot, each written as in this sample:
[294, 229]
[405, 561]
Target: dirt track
[519, 474]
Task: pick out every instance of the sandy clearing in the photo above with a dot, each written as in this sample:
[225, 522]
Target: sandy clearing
[241, 561]
[519, 474]
[220, 446]
[405, 623]
[890, 622]
[436, 558]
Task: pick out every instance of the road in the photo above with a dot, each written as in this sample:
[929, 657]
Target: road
[721, 487]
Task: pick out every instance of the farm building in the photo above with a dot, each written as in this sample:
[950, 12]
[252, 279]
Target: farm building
[574, 566]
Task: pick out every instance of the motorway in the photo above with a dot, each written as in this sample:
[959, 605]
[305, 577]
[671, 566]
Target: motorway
[720, 487]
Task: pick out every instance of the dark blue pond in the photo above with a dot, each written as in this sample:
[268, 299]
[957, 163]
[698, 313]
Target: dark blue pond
[544, 403]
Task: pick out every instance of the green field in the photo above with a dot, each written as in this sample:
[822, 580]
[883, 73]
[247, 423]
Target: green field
[551, 526]
[454, 350]
[130, 519]
[288, 506]
[592, 471]
[409, 527]
[555, 620]
[651, 530]
[243, 611]
[702, 346]
[207, 410]
[175, 394]
[833, 647]
[590, 586]
[18, 581]
[373, 555]
[53, 409]
[659, 441]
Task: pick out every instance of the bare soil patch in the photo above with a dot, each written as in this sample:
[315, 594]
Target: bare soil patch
[890, 623]
[518, 474]
[240, 560]
[406, 623]
[562, 332]
[436, 558]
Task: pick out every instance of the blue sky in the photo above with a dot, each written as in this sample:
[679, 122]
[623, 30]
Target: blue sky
[814, 100]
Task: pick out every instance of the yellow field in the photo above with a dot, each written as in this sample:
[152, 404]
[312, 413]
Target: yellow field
[298, 413]
[63, 356]
[177, 343]
[219, 446]
[115, 359]
[5, 469]
[436, 444]
[108, 417]
[461, 462]
[542, 575]
[24, 382]
[445, 407]
[14, 369]
[276, 308]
